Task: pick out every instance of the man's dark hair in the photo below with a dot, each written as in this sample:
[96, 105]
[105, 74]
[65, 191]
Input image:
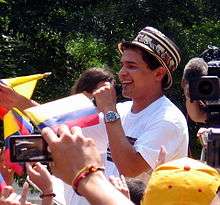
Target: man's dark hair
[149, 59]
[136, 188]
[89, 79]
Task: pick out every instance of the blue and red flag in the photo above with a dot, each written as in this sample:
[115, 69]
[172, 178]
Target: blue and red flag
[75, 110]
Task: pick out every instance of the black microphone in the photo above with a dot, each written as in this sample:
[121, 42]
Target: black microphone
[194, 69]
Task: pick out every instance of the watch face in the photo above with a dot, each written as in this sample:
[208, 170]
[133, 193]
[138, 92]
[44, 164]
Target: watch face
[111, 116]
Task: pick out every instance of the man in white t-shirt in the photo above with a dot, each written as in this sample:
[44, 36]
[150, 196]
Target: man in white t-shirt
[137, 129]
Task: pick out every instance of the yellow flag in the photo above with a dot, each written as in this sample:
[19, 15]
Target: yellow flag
[16, 122]
[24, 85]
[9, 119]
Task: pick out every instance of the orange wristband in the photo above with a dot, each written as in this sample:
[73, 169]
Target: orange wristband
[83, 173]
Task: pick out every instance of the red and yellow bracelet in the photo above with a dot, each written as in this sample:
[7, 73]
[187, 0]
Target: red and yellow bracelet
[83, 173]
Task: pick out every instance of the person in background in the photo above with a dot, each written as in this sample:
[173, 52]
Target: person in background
[91, 79]
[195, 107]
[136, 189]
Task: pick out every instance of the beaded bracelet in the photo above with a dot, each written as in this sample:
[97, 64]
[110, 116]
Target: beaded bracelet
[47, 195]
[83, 173]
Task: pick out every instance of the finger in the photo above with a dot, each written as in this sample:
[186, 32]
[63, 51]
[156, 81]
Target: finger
[49, 135]
[76, 131]
[31, 171]
[24, 193]
[63, 130]
[162, 155]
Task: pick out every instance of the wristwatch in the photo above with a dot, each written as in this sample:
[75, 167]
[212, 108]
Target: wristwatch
[111, 116]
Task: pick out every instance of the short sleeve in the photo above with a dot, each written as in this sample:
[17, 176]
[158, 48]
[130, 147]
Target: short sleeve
[161, 133]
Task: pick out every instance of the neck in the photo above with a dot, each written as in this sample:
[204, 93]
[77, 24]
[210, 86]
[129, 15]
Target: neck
[141, 103]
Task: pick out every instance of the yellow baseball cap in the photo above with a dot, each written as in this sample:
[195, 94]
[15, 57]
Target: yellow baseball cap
[182, 182]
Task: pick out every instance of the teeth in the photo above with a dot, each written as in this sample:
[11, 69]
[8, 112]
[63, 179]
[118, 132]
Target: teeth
[127, 81]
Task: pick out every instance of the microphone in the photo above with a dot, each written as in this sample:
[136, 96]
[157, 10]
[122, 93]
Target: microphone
[194, 69]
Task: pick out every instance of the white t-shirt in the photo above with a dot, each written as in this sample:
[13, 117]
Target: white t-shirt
[161, 123]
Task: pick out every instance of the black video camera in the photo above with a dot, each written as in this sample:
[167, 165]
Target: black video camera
[207, 87]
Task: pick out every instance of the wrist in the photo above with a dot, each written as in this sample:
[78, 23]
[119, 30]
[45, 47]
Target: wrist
[47, 191]
[83, 174]
[24, 103]
[87, 184]
[111, 116]
[109, 108]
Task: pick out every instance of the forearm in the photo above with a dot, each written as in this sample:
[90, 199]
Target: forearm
[128, 161]
[98, 190]
[23, 103]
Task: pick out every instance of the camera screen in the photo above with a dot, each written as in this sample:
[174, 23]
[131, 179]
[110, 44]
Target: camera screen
[25, 149]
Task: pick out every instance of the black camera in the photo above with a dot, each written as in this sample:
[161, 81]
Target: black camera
[204, 83]
[206, 87]
[29, 148]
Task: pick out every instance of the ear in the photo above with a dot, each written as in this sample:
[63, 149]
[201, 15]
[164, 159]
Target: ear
[160, 73]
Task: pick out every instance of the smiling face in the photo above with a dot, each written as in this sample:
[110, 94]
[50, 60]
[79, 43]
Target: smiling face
[137, 80]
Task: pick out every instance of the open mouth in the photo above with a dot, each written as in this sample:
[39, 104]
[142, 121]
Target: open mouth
[125, 83]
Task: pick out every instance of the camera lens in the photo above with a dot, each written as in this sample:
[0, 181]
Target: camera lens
[205, 88]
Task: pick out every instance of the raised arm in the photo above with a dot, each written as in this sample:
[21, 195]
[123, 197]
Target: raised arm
[78, 163]
[123, 153]
[10, 98]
